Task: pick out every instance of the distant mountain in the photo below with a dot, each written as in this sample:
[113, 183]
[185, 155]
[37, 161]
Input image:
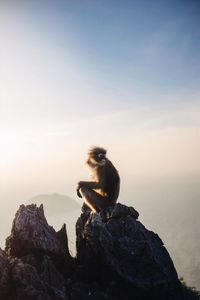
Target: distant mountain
[55, 204]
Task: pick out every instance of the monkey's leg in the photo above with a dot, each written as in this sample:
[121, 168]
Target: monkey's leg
[94, 200]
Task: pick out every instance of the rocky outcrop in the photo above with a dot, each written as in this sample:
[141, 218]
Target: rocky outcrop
[117, 258]
[37, 258]
[118, 241]
[31, 233]
[114, 242]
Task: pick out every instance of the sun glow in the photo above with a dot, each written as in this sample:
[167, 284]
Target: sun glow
[10, 147]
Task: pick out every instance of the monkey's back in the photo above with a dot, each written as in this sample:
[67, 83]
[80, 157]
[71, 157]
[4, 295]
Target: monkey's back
[112, 182]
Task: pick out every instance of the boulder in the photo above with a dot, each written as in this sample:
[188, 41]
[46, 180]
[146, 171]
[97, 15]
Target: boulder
[115, 241]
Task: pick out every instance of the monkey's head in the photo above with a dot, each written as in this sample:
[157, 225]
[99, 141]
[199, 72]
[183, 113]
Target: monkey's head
[96, 157]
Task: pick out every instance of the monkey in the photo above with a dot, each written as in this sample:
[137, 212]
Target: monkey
[104, 190]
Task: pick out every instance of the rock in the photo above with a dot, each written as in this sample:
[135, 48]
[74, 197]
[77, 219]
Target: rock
[38, 257]
[115, 241]
[82, 290]
[31, 233]
[4, 274]
[117, 259]
[37, 280]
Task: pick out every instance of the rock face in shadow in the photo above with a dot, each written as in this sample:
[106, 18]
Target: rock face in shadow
[116, 240]
[117, 258]
[115, 245]
[4, 275]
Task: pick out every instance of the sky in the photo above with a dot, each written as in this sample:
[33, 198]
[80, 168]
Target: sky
[124, 75]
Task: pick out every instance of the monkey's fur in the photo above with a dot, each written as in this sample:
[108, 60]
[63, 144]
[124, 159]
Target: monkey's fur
[104, 191]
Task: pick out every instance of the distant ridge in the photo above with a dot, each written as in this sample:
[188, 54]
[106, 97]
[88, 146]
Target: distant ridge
[55, 204]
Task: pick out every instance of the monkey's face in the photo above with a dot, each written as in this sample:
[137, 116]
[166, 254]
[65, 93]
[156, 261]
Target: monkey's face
[97, 159]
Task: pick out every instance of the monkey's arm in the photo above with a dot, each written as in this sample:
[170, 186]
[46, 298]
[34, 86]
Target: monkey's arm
[90, 184]
[93, 185]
